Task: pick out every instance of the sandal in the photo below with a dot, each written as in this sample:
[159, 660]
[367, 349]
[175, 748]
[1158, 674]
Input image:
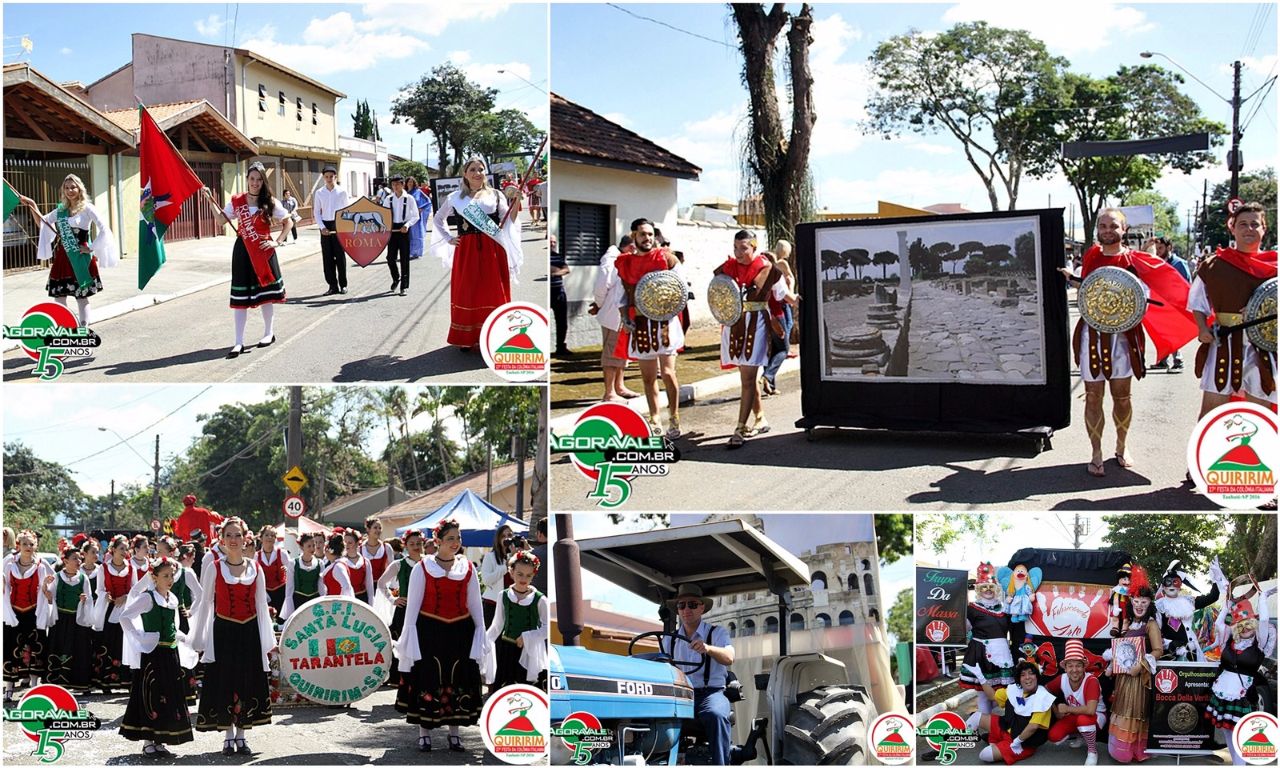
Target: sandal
[673, 431]
[1096, 469]
[1124, 461]
[761, 427]
[455, 744]
[424, 743]
[739, 437]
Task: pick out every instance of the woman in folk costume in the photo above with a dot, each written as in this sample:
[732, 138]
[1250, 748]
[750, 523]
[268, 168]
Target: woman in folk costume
[302, 583]
[1131, 700]
[140, 560]
[988, 625]
[65, 238]
[377, 553]
[232, 628]
[519, 627]
[157, 713]
[71, 645]
[116, 579]
[92, 569]
[485, 255]
[335, 577]
[395, 580]
[255, 272]
[1115, 359]
[418, 233]
[1238, 688]
[187, 587]
[357, 567]
[442, 649]
[26, 615]
[274, 563]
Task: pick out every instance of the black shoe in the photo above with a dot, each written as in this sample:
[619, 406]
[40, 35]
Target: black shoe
[331, 292]
[228, 747]
[242, 748]
[404, 291]
[1160, 364]
[424, 743]
[1177, 364]
[267, 342]
[235, 351]
[455, 744]
[343, 289]
[395, 284]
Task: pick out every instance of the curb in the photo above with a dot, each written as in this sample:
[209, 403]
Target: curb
[125, 306]
[952, 704]
[698, 390]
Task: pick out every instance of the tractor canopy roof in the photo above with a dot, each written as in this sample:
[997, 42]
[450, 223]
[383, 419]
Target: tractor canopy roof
[722, 558]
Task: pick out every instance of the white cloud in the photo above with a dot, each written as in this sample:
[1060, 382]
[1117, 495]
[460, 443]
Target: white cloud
[335, 44]
[211, 26]
[618, 117]
[840, 88]
[65, 51]
[430, 20]
[1077, 30]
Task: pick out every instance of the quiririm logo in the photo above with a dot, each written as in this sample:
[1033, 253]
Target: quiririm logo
[1254, 738]
[892, 739]
[49, 334]
[50, 716]
[1225, 455]
[514, 340]
[946, 732]
[611, 445]
[514, 722]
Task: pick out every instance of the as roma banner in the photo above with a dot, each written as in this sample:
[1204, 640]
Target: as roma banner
[1177, 725]
[941, 596]
[364, 229]
[1071, 611]
[335, 650]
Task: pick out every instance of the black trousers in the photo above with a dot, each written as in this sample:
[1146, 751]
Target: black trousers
[335, 259]
[398, 249]
[560, 309]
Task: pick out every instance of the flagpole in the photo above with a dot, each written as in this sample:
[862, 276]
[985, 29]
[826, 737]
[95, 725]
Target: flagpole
[221, 210]
[523, 179]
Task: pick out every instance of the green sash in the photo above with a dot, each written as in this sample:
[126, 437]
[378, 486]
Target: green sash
[79, 261]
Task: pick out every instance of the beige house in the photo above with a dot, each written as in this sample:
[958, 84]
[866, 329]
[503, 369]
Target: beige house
[501, 494]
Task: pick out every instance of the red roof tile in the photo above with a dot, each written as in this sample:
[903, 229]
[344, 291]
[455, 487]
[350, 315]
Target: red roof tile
[580, 135]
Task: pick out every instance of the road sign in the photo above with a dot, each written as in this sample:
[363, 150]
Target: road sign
[155, 525]
[294, 506]
[294, 480]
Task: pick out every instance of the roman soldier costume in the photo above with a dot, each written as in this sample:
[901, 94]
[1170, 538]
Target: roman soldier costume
[649, 338]
[1222, 287]
[746, 342]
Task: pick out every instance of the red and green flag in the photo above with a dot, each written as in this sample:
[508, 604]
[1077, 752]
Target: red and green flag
[167, 181]
[11, 201]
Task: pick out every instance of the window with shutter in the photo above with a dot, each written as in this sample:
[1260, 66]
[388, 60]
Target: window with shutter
[585, 232]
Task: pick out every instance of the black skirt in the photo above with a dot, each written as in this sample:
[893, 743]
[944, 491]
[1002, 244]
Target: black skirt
[157, 709]
[235, 691]
[275, 598]
[443, 688]
[108, 665]
[70, 654]
[25, 648]
[510, 670]
[245, 290]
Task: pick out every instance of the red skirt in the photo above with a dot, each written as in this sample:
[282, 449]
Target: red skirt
[481, 283]
[62, 278]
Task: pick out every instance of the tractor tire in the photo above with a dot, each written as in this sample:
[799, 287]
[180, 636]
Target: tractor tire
[828, 726]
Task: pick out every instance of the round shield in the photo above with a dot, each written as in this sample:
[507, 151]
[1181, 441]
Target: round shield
[1262, 304]
[661, 295]
[724, 297]
[1112, 300]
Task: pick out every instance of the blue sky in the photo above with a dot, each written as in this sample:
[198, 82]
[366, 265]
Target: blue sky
[368, 51]
[684, 92]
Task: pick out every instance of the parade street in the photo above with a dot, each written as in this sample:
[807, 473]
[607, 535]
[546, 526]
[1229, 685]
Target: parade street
[369, 732]
[876, 470]
[369, 334]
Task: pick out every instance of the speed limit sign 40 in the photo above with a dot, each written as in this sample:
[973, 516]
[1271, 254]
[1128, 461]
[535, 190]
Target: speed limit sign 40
[294, 506]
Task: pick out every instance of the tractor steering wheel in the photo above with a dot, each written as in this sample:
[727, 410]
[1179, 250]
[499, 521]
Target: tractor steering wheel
[686, 666]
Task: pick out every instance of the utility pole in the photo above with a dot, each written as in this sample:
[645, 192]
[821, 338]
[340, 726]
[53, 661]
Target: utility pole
[155, 492]
[1204, 212]
[112, 512]
[1234, 161]
[293, 444]
[1187, 255]
[1076, 531]
[517, 450]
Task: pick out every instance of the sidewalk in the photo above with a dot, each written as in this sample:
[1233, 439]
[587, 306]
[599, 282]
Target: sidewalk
[190, 266]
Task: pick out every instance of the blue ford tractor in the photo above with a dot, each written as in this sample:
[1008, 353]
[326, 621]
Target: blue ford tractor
[791, 708]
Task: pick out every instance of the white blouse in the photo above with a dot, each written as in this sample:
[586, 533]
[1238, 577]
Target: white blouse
[103, 245]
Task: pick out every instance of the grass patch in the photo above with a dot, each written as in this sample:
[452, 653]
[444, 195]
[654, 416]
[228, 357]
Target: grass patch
[577, 381]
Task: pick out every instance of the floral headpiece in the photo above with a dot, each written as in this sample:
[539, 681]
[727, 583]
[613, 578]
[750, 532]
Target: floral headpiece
[444, 525]
[524, 556]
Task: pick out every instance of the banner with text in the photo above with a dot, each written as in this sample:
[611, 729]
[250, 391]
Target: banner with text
[941, 596]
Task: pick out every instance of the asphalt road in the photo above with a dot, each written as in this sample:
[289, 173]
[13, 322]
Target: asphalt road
[369, 732]
[369, 334]
[876, 470]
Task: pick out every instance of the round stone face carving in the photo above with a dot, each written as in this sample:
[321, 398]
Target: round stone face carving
[724, 298]
[661, 295]
[1183, 718]
[1112, 300]
[1262, 304]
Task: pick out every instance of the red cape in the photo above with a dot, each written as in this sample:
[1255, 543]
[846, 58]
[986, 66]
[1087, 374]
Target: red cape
[1169, 327]
[196, 519]
[1259, 264]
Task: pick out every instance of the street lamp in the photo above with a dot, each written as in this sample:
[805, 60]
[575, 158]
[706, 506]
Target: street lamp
[522, 77]
[155, 487]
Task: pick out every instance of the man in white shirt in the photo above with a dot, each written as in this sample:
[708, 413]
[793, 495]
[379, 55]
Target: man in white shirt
[404, 215]
[330, 199]
[710, 705]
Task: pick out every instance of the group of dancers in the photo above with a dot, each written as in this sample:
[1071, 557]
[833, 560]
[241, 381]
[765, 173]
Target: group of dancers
[483, 258]
[1040, 706]
[175, 627]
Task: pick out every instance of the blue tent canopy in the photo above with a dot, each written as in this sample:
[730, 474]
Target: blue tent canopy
[479, 520]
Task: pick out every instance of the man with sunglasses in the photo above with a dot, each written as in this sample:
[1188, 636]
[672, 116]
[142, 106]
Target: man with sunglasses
[705, 641]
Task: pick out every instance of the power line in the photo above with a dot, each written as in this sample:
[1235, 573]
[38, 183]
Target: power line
[673, 28]
[144, 429]
[9, 433]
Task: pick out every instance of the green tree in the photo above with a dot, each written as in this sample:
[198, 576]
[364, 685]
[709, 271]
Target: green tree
[937, 532]
[902, 619]
[1256, 187]
[1024, 249]
[502, 132]
[446, 104]
[775, 157]
[1135, 102]
[985, 86]
[365, 126]
[1250, 546]
[893, 537]
[407, 168]
[1167, 221]
[38, 492]
[1155, 540]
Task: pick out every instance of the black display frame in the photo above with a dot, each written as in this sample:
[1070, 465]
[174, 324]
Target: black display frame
[932, 405]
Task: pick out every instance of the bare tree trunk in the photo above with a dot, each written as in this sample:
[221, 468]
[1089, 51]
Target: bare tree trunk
[539, 489]
[780, 163]
[1263, 566]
